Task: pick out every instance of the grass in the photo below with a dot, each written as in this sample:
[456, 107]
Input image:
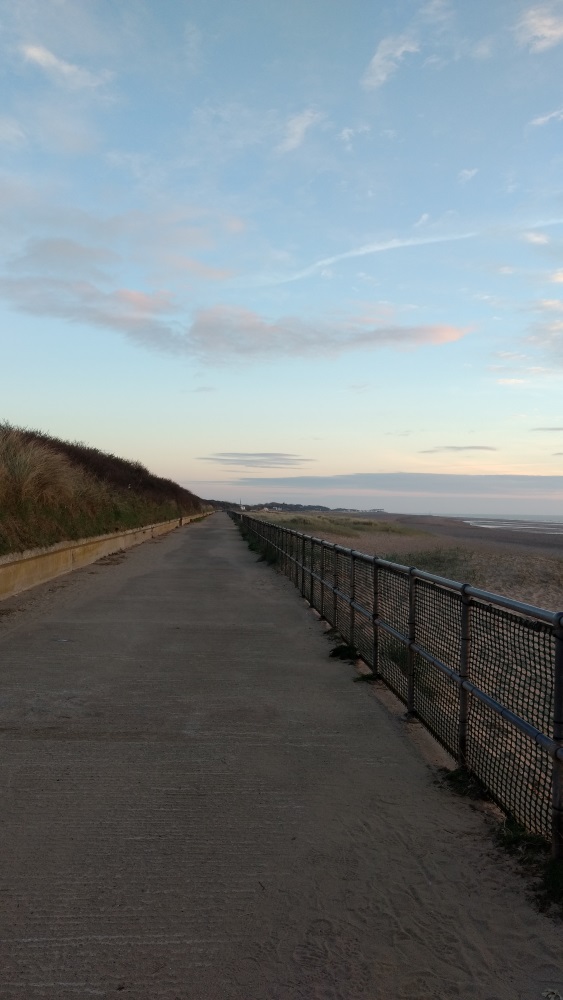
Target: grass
[320, 524]
[452, 563]
[53, 491]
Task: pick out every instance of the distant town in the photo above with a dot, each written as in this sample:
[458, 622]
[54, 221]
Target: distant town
[290, 508]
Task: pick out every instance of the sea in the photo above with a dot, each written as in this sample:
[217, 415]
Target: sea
[540, 524]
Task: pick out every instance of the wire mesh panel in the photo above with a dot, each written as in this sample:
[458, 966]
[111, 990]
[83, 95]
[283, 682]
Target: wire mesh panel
[393, 664]
[511, 660]
[394, 599]
[363, 623]
[436, 703]
[316, 586]
[343, 576]
[438, 622]
[514, 770]
[329, 603]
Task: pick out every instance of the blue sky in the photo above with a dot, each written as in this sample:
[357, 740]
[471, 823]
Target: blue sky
[287, 250]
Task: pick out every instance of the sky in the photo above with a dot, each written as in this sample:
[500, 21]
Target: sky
[306, 252]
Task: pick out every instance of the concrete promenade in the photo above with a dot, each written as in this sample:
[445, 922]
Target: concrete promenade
[197, 803]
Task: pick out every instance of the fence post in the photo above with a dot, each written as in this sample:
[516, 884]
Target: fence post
[374, 617]
[352, 598]
[412, 638]
[557, 775]
[302, 565]
[464, 654]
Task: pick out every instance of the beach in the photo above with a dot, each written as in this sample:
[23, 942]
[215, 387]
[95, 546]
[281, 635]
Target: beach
[523, 561]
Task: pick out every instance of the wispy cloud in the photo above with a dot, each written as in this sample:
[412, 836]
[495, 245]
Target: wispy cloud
[538, 238]
[511, 381]
[256, 459]
[549, 429]
[348, 134]
[541, 27]
[553, 116]
[370, 248]
[388, 55]
[467, 174]
[72, 76]
[557, 277]
[296, 129]
[457, 447]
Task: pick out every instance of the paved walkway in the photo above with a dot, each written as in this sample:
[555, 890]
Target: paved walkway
[198, 804]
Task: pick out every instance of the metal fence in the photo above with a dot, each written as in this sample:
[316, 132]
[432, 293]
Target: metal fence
[482, 672]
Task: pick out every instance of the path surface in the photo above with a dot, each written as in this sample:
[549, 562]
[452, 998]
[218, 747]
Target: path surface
[198, 804]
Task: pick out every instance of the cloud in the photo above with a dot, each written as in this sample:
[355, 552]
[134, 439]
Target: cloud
[511, 381]
[11, 132]
[349, 133]
[550, 305]
[540, 239]
[422, 221]
[467, 175]
[154, 320]
[557, 277]
[541, 27]
[256, 459]
[388, 55]
[63, 72]
[133, 313]
[231, 330]
[369, 248]
[550, 429]
[457, 447]
[296, 129]
[553, 116]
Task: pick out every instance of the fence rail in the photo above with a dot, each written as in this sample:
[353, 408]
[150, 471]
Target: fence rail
[483, 673]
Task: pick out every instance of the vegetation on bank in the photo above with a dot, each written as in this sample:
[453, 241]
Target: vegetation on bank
[340, 524]
[53, 491]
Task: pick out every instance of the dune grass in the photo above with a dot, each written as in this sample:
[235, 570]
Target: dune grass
[53, 491]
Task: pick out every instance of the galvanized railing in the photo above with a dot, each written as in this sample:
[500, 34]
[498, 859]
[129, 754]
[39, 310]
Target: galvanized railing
[482, 672]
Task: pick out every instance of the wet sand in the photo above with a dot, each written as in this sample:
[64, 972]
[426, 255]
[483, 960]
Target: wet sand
[457, 530]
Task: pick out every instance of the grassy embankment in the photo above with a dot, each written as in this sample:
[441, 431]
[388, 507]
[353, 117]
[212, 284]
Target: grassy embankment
[53, 491]
[522, 575]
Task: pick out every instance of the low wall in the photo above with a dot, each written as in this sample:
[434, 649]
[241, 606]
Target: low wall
[22, 570]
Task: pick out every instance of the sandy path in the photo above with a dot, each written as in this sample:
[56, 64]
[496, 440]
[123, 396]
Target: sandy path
[198, 804]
